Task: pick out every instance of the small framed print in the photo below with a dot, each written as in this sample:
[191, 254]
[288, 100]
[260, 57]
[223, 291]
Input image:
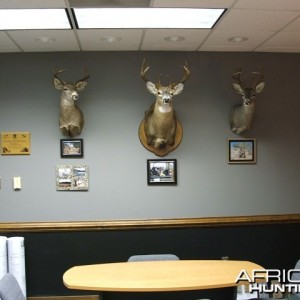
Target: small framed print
[162, 171]
[241, 151]
[71, 148]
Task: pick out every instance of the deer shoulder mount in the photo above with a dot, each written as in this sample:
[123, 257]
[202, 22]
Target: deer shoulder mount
[71, 118]
[160, 131]
[241, 115]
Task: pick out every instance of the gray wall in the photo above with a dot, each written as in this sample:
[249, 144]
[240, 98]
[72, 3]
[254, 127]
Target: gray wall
[114, 103]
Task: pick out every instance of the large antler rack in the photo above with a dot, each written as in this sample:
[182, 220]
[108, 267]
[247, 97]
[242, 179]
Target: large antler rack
[146, 67]
[256, 74]
[56, 73]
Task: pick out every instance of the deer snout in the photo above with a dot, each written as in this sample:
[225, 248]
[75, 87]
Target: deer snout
[166, 99]
[74, 96]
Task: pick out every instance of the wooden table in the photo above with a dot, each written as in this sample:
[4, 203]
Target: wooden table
[155, 276]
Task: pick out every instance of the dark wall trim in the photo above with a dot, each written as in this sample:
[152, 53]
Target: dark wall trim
[147, 224]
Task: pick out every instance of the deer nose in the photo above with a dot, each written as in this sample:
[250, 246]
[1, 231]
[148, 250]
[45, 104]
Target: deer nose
[74, 96]
[166, 99]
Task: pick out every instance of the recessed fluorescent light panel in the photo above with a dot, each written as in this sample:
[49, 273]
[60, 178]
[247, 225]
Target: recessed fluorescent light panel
[17, 19]
[146, 17]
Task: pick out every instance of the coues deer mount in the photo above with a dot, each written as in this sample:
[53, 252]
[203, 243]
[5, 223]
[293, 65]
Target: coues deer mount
[160, 131]
[241, 115]
[71, 119]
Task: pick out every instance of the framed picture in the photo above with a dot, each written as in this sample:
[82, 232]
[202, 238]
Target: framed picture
[72, 178]
[162, 171]
[71, 148]
[15, 143]
[241, 151]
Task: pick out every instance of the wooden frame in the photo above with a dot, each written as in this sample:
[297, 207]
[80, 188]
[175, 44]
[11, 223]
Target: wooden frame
[241, 151]
[15, 143]
[71, 148]
[161, 171]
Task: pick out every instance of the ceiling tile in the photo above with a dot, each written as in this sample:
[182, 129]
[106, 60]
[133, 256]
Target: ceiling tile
[269, 4]
[31, 40]
[193, 3]
[32, 4]
[293, 26]
[219, 39]
[99, 39]
[154, 39]
[283, 42]
[256, 20]
[109, 3]
[6, 44]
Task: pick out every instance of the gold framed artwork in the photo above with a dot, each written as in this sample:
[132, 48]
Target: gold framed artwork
[15, 143]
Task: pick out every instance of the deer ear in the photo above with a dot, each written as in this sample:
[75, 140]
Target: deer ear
[178, 88]
[81, 85]
[57, 84]
[151, 87]
[237, 88]
[260, 87]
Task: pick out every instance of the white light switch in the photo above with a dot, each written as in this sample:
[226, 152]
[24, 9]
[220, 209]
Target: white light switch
[17, 183]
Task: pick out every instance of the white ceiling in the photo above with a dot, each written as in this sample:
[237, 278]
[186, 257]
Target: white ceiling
[269, 26]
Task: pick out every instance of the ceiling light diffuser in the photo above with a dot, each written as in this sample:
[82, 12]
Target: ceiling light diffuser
[17, 19]
[147, 17]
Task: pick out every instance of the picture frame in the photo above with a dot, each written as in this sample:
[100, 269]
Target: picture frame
[162, 171]
[242, 151]
[72, 178]
[71, 148]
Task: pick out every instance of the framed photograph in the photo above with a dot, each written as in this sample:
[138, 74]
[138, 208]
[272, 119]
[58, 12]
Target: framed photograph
[241, 151]
[162, 171]
[15, 143]
[72, 178]
[71, 148]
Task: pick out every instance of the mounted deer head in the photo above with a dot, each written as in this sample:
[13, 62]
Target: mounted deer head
[160, 121]
[71, 118]
[241, 115]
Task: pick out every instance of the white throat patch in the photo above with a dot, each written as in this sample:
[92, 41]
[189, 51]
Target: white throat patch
[165, 108]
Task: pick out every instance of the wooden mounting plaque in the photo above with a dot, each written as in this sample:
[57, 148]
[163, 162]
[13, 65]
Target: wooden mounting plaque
[168, 149]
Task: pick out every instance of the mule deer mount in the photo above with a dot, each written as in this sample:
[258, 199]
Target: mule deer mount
[241, 115]
[160, 131]
[71, 118]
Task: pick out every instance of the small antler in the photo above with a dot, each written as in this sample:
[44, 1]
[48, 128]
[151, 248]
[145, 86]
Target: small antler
[237, 75]
[87, 76]
[56, 73]
[144, 70]
[186, 75]
[259, 75]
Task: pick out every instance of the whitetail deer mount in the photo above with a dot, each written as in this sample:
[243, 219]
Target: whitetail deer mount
[71, 118]
[160, 131]
[241, 115]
